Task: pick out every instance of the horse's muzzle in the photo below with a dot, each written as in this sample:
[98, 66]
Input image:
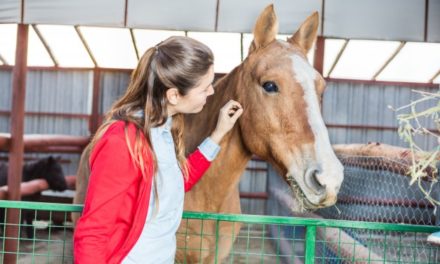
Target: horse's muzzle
[312, 182]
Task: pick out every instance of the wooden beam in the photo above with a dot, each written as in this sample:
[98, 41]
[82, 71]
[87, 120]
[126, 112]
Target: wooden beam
[46, 46]
[17, 112]
[338, 57]
[219, 75]
[26, 188]
[382, 157]
[217, 9]
[51, 68]
[125, 12]
[94, 120]
[425, 32]
[322, 16]
[254, 195]
[391, 128]
[435, 76]
[86, 46]
[17, 146]
[3, 60]
[133, 41]
[48, 114]
[318, 59]
[22, 11]
[399, 48]
[409, 85]
[47, 143]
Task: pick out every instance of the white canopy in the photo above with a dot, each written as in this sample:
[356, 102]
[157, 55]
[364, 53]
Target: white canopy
[384, 40]
[402, 20]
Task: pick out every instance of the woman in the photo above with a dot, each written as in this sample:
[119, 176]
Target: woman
[139, 171]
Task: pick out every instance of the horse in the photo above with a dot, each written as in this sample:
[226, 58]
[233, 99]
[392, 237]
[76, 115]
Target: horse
[282, 123]
[47, 168]
[281, 96]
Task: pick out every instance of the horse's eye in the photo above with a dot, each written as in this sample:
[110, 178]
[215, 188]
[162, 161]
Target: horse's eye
[270, 87]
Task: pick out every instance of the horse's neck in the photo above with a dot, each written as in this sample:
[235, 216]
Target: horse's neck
[225, 171]
[33, 170]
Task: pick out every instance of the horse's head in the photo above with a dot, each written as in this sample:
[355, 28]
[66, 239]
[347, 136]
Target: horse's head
[46, 168]
[282, 122]
[55, 175]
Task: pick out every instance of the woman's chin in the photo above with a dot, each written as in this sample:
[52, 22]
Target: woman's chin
[199, 109]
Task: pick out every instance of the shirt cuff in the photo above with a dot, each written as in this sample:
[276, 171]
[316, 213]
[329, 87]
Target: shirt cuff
[209, 149]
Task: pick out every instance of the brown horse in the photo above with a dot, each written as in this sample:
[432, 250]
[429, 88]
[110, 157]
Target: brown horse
[282, 123]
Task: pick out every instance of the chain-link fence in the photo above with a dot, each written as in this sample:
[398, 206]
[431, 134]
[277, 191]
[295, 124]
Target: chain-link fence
[378, 189]
[375, 189]
[261, 239]
[264, 239]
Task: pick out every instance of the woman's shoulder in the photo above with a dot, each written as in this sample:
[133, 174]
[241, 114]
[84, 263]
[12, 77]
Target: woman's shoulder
[117, 130]
[115, 135]
[114, 138]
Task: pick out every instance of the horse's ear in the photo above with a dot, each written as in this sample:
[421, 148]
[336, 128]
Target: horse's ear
[306, 34]
[51, 159]
[265, 30]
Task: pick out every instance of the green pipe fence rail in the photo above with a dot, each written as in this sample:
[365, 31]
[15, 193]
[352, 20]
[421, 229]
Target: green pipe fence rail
[51, 238]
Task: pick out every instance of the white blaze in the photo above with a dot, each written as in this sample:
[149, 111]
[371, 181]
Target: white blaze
[332, 170]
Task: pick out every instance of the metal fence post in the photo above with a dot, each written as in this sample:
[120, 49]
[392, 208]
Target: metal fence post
[217, 233]
[310, 244]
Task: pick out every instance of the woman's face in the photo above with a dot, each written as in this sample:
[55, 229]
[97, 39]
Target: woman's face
[195, 99]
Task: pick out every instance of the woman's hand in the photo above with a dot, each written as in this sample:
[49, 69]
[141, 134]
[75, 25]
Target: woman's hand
[228, 115]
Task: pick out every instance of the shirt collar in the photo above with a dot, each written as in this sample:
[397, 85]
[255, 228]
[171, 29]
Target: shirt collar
[168, 123]
[165, 127]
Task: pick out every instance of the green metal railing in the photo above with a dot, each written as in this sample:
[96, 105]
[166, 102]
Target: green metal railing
[261, 238]
[318, 231]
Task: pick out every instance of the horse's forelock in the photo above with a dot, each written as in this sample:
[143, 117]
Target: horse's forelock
[55, 176]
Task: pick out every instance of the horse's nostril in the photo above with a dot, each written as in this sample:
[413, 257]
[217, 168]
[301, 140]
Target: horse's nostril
[312, 181]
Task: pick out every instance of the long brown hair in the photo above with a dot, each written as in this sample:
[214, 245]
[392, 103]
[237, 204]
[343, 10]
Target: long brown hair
[177, 62]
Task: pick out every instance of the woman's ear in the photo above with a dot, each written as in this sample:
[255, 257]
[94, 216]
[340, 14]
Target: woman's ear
[173, 96]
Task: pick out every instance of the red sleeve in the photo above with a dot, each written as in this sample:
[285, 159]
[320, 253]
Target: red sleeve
[112, 173]
[197, 166]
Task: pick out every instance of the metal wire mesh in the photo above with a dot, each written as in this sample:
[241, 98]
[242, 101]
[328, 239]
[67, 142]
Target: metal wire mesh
[255, 243]
[378, 189]
[261, 239]
[264, 239]
[43, 233]
[347, 245]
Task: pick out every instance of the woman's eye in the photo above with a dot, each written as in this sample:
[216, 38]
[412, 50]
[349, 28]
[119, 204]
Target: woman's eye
[270, 87]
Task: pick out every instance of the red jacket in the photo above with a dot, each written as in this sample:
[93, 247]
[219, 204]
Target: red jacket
[117, 198]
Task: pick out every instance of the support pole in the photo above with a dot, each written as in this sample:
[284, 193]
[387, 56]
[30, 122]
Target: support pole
[318, 59]
[95, 116]
[17, 147]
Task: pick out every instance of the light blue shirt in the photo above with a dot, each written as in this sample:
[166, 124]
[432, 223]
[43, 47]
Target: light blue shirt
[157, 242]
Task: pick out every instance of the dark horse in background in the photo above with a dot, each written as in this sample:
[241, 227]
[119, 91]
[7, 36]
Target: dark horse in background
[47, 168]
